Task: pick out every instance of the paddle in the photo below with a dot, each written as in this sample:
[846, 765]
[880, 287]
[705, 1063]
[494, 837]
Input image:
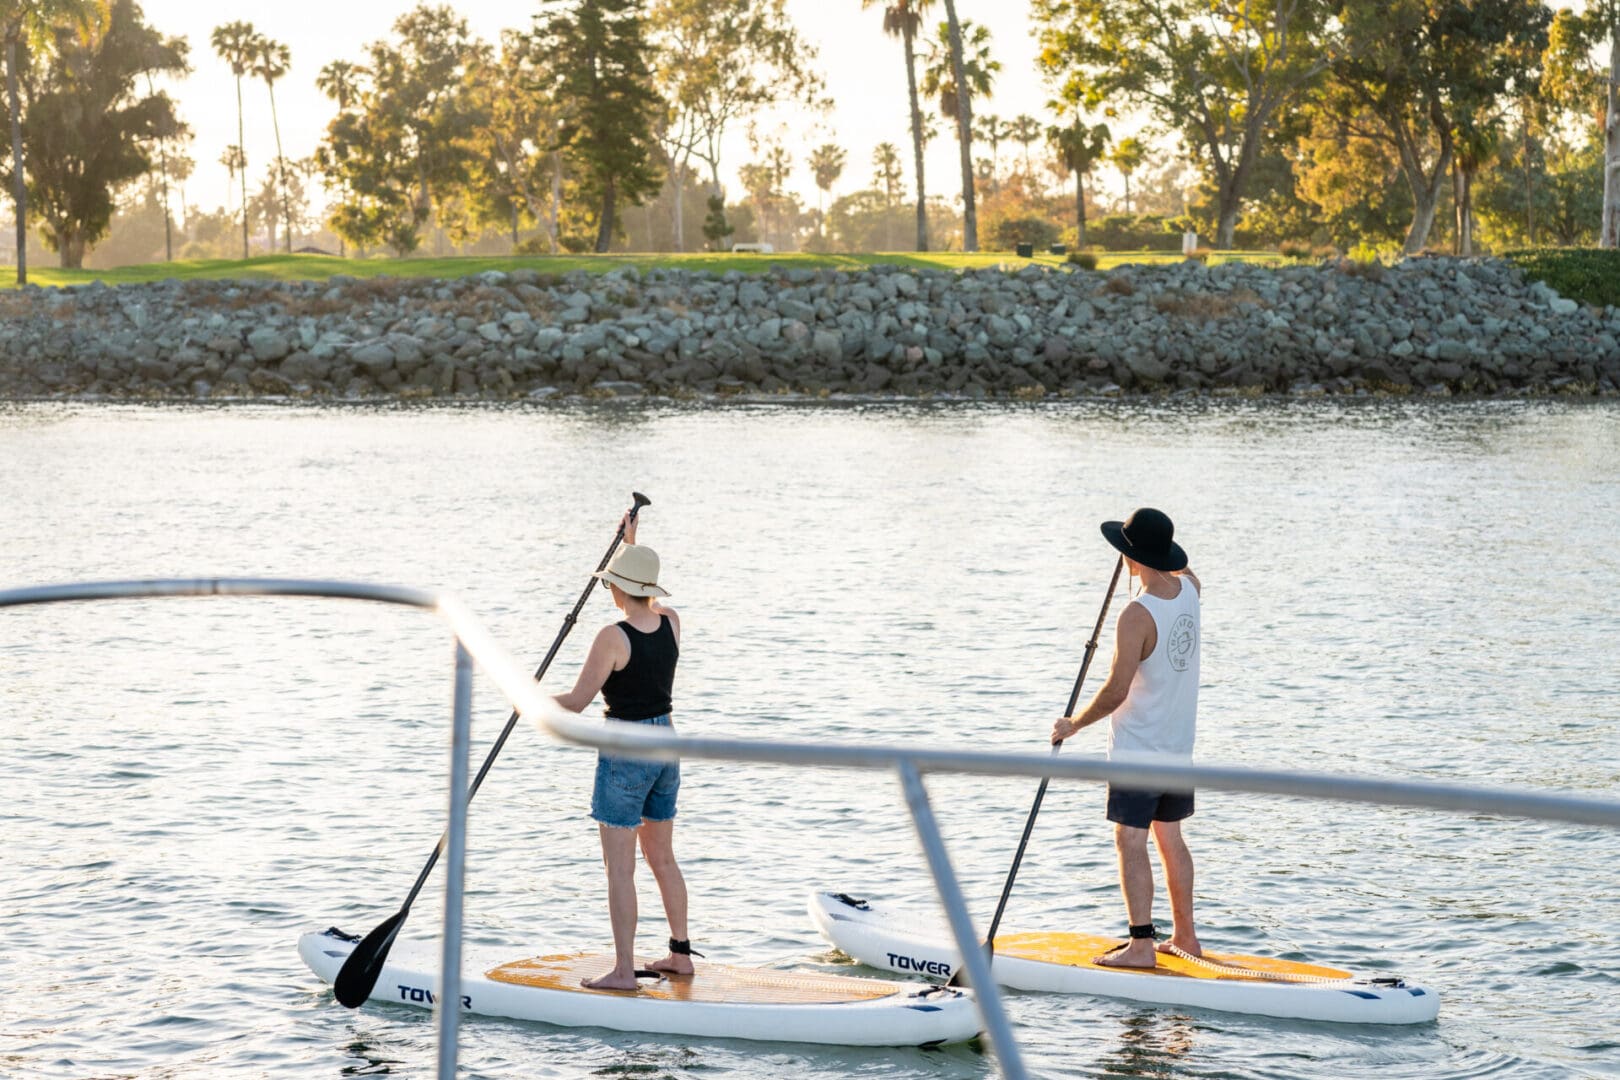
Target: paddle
[359, 973]
[1040, 794]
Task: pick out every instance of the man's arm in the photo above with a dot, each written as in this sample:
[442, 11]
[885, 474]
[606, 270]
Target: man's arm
[1129, 639]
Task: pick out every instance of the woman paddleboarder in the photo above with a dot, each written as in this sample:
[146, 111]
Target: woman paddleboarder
[632, 665]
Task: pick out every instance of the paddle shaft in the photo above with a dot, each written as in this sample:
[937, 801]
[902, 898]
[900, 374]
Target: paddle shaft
[1040, 794]
[639, 500]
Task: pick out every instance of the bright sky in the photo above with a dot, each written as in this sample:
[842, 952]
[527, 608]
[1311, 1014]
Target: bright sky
[864, 70]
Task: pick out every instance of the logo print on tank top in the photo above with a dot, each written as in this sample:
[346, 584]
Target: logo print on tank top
[1182, 643]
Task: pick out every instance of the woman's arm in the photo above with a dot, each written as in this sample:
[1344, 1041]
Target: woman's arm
[608, 653]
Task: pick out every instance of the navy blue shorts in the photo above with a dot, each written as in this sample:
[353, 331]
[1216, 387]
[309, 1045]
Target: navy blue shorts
[1140, 809]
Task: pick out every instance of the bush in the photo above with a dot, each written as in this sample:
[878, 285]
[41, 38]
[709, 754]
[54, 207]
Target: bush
[1004, 234]
[1143, 232]
[1587, 275]
[1085, 260]
[1294, 249]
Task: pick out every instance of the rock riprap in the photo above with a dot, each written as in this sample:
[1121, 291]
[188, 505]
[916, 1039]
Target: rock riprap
[1431, 325]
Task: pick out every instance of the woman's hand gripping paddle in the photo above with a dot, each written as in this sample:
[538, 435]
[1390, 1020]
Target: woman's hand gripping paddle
[958, 979]
[359, 973]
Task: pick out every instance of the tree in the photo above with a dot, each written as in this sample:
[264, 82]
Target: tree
[1128, 156]
[715, 226]
[1219, 71]
[1079, 148]
[886, 178]
[720, 63]
[30, 26]
[237, 43]
[234, 161]
[395, 149]
[88, 128]
[903, 19]
[606, 96]
[827, 164]
[961, 76]
[511, 159]
[1425, 70]
[181, 46]
[181, 165]
[992, 129]
[271, 62]
[1572, 76]
[1025, 130]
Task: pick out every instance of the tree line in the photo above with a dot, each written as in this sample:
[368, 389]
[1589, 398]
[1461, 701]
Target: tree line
[1324, 120]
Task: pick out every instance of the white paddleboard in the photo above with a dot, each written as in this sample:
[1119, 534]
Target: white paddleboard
[719, 1001]
[889, 937]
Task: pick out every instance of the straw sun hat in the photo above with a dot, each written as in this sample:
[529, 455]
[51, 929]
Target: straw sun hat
[635, 570]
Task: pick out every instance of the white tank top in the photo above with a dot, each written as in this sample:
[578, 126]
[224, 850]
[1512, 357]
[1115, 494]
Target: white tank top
[1160, 711]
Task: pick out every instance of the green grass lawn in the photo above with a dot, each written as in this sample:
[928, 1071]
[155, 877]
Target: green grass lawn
[321, 267]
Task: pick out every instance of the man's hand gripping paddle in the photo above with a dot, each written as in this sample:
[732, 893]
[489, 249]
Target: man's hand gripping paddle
[959, 979]
[360, 971]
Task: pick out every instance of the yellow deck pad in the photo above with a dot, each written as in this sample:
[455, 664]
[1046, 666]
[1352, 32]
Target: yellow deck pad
[713, 983]
[1081, 950]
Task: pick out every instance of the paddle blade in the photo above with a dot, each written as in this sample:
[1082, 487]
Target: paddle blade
[359, 973]
[959, 978]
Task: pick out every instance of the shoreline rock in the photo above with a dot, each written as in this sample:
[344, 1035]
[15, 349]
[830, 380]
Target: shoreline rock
[1438, 326]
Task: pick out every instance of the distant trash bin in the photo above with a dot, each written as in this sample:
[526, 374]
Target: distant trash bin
[1189, 243]
[1025, 251]
[1059, 249]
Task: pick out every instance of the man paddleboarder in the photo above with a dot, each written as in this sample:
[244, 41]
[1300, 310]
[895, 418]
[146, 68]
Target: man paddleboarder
[632, 665]
[1151, 700]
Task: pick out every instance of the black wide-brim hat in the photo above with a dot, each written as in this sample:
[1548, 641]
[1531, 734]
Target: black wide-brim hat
[1148, 536]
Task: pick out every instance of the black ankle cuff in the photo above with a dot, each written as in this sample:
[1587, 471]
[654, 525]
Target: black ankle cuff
[1143, 931]
[683, 948]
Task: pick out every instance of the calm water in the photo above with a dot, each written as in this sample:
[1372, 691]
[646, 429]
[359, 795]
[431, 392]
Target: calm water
[1407, 590]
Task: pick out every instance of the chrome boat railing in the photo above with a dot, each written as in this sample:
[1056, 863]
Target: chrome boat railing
[474, 644]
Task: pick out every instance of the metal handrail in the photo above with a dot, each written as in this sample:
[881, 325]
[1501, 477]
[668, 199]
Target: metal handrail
[910, 763]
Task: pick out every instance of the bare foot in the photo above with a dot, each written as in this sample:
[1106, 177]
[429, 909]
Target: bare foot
[613, 980]
[1138, 955]
[1178, 944]
[673, 964]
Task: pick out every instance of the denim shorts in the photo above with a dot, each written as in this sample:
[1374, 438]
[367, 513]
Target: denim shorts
[629, 792]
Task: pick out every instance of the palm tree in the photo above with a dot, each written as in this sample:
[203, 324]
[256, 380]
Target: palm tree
[903, 19]
[234, 162]
[181, 167]
[956, 80]
[271, 61]
[34, 23]
[237, 44]
[1025, 130]
[340, 81]
[827, 163]
[1128, 156]
[1079, 148]
[991, 129]
[886, 162]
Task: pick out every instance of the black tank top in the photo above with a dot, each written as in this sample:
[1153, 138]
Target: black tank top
[641, 689]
